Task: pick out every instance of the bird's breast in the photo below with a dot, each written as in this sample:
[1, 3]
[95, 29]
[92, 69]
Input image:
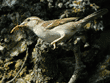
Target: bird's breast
[46, 35]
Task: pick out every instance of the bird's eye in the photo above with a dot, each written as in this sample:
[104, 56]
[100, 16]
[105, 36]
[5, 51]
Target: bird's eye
[28, 19]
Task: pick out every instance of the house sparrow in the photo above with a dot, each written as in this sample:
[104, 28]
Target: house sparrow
[58, 30]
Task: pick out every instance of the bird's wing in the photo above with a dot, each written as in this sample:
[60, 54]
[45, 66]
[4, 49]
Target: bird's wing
[53, 23]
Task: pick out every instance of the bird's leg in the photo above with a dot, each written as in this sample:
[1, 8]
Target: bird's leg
[54, 42]
[54, 45]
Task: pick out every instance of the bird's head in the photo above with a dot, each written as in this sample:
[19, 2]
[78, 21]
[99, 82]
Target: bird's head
[29, 22]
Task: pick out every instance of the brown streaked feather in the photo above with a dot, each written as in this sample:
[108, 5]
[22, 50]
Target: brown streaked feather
[53, 23]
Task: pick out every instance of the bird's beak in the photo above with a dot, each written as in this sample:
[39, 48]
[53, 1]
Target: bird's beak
[23, 24]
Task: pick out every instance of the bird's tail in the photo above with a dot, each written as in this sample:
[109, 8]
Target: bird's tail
[92, 16]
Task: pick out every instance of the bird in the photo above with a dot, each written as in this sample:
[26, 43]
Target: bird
[53, 31]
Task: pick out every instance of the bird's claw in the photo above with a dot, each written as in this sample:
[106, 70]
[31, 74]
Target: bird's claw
[54, 45]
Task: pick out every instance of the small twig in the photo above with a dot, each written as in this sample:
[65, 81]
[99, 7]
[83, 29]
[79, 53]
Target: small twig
[78, 66]
[2, 81]
[20, 68]
[3, 78]
[17, 27]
